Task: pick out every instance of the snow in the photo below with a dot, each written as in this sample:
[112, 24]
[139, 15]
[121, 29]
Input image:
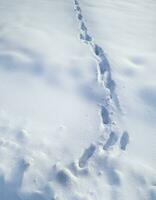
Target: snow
[127, 33]
[77, 100]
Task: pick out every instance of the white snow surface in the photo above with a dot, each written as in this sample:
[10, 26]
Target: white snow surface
[77, 100]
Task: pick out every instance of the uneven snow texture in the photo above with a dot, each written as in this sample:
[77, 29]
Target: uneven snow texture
[77, 100]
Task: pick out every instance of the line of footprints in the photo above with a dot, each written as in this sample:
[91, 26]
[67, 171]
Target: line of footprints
[105, 71]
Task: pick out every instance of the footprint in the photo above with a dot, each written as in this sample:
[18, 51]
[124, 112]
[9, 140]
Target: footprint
[63, 178]
[83, 27]
[98, 51]
[88, 38]
[105, 115]
[76, 2]
[110, 84]
[124, 141]
[104, 65]
[78, 8]
[82, 37]
[111, 141]
[80, 16]
[85, 37]
[86, 155]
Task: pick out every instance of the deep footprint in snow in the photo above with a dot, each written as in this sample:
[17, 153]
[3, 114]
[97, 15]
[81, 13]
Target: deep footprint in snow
[86, 155]
[88, 37]
[83, 27]
[76, 2]
[98, 51]
[78, 8]
[63, 178]
[85, 37]
[105, 115]
[111, 141]
[80, 16]
[104, 65]
[110, 84]
[124, 141]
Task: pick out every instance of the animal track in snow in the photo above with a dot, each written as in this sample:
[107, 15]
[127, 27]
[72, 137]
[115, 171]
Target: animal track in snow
[124, 140]
[109, 104]
[63, 178]
[86, 155]
[76, 2]
[78, 8]
[105, 115]
[111, 140]
[83, 27]
[85, 37]
[103, 65]
[80, 16]
[98, 51]
[104, 74]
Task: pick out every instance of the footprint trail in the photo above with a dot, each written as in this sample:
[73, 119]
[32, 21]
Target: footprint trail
[110, 106]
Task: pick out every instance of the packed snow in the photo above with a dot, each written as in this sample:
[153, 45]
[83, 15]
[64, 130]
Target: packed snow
[77, 100]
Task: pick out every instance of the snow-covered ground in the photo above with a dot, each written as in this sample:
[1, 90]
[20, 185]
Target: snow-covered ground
[77, 100]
